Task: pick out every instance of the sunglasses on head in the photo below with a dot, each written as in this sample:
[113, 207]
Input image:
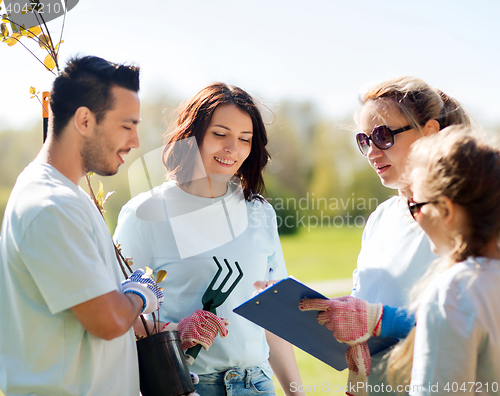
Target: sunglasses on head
[416, 207]
[381, 136]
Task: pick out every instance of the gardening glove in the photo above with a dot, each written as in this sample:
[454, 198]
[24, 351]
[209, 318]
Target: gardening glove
[144, 286]
[359, 364]
[351, 319]
[194, 378]
[201, 327]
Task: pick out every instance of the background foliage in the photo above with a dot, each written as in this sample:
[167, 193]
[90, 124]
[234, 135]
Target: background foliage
[312, 157]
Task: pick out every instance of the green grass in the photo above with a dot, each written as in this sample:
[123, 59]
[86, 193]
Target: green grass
[320, 254]
[315, 373]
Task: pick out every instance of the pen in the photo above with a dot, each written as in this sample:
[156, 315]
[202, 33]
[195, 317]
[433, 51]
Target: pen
[270, 275]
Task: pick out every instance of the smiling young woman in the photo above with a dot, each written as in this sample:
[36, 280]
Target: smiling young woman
[204, 119]
[226, 145]
[212, 207]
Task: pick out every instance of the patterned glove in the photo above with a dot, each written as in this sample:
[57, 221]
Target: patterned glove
[144, 286]
[351, 319]
[201, 327]
[359, 363]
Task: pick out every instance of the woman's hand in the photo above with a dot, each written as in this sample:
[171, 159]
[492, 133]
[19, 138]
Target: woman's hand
[201, 327]
[351, 319]
[261, 285]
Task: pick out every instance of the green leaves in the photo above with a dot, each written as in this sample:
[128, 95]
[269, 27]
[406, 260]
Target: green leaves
[100, 194]
[99, 198]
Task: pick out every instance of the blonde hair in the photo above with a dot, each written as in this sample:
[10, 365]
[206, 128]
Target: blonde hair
[462, 167]
[417, 101]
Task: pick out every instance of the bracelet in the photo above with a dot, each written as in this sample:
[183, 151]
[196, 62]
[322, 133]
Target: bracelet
[166, 324]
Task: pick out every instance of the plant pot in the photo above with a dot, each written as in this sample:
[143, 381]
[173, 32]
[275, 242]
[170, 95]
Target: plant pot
[162, 367]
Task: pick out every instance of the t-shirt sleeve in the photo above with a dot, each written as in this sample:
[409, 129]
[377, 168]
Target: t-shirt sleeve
[60, 250]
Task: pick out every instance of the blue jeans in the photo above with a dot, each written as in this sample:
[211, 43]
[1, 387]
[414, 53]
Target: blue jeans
[235, 382]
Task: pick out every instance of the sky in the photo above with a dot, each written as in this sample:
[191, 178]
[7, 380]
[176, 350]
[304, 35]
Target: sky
[326, 52]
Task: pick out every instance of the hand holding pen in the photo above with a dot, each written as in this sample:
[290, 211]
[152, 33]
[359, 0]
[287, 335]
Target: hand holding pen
[261, 285]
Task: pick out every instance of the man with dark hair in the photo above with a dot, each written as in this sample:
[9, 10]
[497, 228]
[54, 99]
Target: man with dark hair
[65, 319]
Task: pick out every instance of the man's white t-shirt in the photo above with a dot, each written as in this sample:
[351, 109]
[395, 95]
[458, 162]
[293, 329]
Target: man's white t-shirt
[56, 252]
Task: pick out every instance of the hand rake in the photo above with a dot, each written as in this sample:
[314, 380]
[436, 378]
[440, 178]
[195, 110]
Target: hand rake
[213, 298]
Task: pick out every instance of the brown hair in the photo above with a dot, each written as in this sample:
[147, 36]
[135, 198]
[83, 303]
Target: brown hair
[193, 121]
[463, 168]
[87, 82]
[418, 102]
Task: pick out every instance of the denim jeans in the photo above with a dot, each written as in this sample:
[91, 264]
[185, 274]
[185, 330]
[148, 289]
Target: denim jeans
[235, 382]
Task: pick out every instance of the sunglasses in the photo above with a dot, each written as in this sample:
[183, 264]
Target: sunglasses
[381, 136]
[416, 207]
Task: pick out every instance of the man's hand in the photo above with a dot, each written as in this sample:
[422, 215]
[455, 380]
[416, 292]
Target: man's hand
[144, 286]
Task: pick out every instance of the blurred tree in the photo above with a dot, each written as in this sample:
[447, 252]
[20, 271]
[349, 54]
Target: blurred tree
[289, 167]
[15, 155]
[19, 148]
[287, 175]
[316, 168]
[326, 170]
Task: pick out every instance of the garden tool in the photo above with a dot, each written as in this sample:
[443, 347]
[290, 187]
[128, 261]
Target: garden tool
[213, 298]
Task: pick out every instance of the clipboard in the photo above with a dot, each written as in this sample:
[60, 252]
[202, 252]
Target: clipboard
[276, 309]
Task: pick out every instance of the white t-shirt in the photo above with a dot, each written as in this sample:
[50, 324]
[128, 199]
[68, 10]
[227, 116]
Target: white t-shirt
[457, 341]
[170, 229]
[56, 252]
[395, 253]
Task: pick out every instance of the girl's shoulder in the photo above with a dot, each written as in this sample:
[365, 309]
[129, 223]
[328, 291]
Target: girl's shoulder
[465, 286]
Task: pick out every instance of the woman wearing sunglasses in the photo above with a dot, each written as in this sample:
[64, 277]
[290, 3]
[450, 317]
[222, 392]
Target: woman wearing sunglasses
[455, 180]
[395, 252]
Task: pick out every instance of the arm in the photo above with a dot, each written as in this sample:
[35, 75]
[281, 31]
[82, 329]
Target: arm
[396, 322]
[354, 320]
[283, 363]
[110, 315]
